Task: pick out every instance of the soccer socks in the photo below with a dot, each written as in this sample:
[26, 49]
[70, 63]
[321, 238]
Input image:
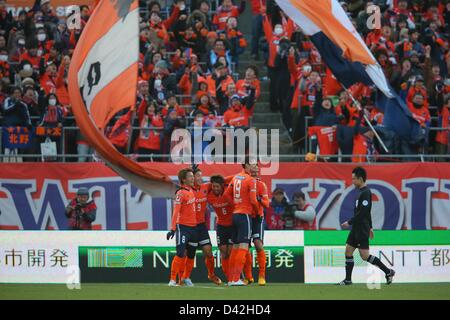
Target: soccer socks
[239, 263]
[181, 269]
[377, 262]
[232, 264]
[349, 263]
[209, 261]
[248, 265]
[189, 265]
[236, 263]
[175, 268]
[261, 258]
[225, 262]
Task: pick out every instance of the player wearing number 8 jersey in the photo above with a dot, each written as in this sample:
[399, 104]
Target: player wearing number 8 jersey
[243, 192]
[223, 207]
[184, 223]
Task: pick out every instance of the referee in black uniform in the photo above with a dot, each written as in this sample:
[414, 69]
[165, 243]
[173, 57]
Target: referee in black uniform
[361, 230]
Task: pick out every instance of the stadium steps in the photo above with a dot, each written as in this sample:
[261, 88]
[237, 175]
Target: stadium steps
[263, 117]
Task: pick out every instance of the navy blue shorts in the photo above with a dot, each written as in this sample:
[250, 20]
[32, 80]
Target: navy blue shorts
[242, 228]
[203, 235]
[258, 229]
[224, 235]
[186, 238]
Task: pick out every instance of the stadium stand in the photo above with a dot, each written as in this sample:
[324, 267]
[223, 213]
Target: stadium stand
[230, 65]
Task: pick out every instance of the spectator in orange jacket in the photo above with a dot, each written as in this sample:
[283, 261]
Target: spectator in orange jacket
[243, 86]
[226, 10]
[238, 115]
[418, 87]
[418, 109]
[149, 140]
[236, 39]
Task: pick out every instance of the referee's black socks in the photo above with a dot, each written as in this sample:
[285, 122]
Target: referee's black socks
[377, 262]
[349, 263]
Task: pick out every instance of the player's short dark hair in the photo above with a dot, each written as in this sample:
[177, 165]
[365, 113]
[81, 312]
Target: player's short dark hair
[360, 172]
[299, 194]
[217, 179]
[182, 174]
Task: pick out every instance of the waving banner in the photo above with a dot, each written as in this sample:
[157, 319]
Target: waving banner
[103, 81]
[345, 53]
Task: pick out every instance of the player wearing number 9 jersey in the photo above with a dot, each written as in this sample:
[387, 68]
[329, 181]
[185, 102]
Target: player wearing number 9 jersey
[184, 223]
[201, 191]
[223, 206]
[243, 192]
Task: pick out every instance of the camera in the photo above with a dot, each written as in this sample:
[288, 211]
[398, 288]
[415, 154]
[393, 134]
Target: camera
[439, 86]
[289, 212]
[284, 46]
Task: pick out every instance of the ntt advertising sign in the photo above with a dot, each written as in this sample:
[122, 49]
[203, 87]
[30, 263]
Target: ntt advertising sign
[416, 256]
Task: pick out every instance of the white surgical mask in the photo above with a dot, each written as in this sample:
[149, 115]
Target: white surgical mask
[3, 58]
[182, 7]
[41, 37]
[52, 102]
[27, 67]
[158, 83]
[39, 25]
[278, 31]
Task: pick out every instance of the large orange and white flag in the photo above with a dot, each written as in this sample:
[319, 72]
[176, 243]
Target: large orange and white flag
[103, 80]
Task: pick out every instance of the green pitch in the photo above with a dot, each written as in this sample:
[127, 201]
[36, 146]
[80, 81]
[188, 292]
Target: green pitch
[272, 291]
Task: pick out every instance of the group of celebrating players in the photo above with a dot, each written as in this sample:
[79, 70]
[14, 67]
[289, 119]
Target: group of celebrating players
[239, 203]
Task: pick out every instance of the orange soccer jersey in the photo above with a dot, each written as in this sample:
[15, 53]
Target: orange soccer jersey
[223, 206]
[184, 208]
[243, 192]
[201, 194]
[264, 202]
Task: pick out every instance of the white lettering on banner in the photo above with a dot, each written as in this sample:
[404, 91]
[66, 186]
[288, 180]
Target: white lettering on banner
[31, 205]
[417, 187]
[411, 263]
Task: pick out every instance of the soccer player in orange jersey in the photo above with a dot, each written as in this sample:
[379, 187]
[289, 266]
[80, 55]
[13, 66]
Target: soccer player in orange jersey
[258, 231]
[184, 222]
[243, 191]
[201, 192]
[223, 206]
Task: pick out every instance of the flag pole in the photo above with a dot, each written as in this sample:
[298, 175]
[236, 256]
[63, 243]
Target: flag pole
[358, 105]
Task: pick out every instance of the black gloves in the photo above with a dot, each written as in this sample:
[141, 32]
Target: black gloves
[170, 234]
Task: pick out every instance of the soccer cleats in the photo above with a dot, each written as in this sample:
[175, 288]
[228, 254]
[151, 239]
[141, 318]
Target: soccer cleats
[390, 276]
[188, 282]
[172, 283]
[215, 279]
[345, 283]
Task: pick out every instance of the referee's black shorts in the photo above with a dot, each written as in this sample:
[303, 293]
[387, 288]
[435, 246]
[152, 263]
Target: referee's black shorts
[358, 239]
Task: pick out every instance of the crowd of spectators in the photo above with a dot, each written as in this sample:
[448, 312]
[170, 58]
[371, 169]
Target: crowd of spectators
[410, 44]
[189, 54]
